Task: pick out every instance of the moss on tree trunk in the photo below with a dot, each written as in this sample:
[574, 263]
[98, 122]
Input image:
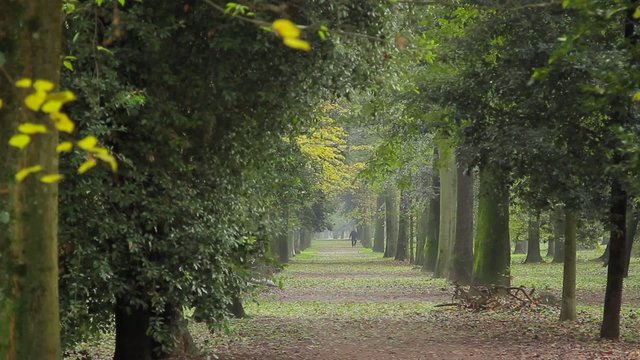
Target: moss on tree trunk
[492, 246]
[30, 40]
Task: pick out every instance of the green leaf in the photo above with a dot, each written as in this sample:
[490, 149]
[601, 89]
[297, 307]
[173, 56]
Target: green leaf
[99, 2]
[68, 64]
[102, 48]
[636, 14]
[121, 2]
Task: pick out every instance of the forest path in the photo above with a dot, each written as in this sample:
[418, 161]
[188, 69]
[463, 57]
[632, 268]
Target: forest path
[340, 302]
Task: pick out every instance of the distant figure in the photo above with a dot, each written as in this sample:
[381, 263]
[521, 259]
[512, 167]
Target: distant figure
[354, 237]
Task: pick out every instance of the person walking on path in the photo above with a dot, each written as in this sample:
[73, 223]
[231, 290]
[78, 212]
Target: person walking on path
[354, 237]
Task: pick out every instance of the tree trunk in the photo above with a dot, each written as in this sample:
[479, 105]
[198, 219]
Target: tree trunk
[296, 242]
[448, 206]
[568, 309]
[557, 219]
[132, 341]
[610, 328]
[291, 243]
[378, 236]
[462, 261]
[632, 227]
[183, 346]
[403, 227]
[412, 257]
[31, 40]
[552, 248]
[492, 246]
[366, 235]
[433, 221]
[391, 221]
[421, 234]
[533, 239]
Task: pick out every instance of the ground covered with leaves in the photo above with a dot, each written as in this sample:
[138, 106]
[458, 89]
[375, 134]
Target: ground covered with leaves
[340, 302]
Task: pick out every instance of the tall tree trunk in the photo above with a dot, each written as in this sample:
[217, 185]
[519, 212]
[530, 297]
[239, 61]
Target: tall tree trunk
[492, 246]
[462, 261]
[433, 221]
[378, 236]
[557, 220]
[403, 227]
[421, 234]
[296, 241]
[291, 243]
[533, 239]
[633, 218]
[391, 221]
[551, 250]
[132, 341]
[31, 40]
[366, 235]
[568, 309]
[610, 328]
[448, 206]
[412, 258]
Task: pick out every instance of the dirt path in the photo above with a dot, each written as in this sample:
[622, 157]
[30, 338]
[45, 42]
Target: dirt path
[344, 303]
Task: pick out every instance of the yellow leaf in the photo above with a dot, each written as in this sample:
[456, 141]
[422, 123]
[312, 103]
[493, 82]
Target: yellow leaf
[62, 96]
[22, 174]
[51, 106]
[636, 14]
[55, 101]
[43, 85]
[1, 103]
[86, 166]
[23, 83]
[51, 178]
[88, 143]
[99, 151]
[20, 141]
[297, 44]
[31, 128]
[62, 122]
[636, 96]
[286, 28]
[35, 100]
[110, 159]
[64, 146]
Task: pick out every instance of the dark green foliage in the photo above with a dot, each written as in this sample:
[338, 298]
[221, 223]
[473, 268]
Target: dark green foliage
[200, 109]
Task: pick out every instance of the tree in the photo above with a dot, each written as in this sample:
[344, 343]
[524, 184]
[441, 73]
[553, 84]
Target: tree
[403, 227]
[533, 239]
[391, 220]
[31, 41]
[462, 262]
[378, 236]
